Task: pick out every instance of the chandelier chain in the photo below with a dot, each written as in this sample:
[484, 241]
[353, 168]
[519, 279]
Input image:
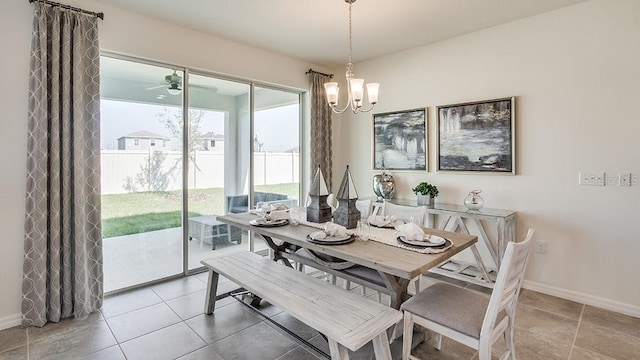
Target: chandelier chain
[350, 33]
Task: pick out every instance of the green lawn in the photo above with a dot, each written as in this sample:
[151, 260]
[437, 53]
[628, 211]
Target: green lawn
[133, 213]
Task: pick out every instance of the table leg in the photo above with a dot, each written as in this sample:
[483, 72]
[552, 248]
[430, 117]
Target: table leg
[277, 250]
[212, 288]
[381, 347]
[338, 352]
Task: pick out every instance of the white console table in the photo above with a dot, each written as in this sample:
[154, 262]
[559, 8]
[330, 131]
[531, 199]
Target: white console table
[451, 217]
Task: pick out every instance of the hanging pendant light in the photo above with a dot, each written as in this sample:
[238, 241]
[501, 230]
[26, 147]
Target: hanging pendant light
[355, 87]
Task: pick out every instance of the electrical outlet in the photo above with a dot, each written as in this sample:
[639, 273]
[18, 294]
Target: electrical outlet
[591, 178]
[624, 179]
[541, 247]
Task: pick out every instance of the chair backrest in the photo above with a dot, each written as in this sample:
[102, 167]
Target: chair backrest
[506, 288]
[405, 213]
[364, 206]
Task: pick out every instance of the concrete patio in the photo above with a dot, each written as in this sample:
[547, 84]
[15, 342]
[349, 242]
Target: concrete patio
[140, 258]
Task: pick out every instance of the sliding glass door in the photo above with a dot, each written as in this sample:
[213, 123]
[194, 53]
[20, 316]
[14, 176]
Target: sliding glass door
[141, 160]
[179, 149]
[218, 116]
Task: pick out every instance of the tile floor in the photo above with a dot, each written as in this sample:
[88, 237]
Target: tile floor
[165, 321]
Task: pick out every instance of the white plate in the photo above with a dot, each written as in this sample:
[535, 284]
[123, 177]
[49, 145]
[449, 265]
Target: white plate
[390, 225]
[331, 240]
[442, 241]
[267, 223]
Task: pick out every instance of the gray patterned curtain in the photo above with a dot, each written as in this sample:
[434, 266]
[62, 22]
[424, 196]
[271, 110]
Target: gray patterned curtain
[63, 244]
[321, 149]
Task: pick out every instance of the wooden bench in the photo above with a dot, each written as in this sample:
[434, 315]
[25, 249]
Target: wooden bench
[348, 320]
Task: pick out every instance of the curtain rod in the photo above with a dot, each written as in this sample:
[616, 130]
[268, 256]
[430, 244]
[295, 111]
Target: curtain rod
[64, 6]
[311, 71]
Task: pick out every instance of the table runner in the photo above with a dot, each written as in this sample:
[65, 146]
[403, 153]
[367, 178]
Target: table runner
[386, 236]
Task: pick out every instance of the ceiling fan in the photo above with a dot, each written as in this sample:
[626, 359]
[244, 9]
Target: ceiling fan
[173, 84]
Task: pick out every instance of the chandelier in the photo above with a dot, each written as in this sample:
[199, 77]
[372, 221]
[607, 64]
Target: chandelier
[355, 89]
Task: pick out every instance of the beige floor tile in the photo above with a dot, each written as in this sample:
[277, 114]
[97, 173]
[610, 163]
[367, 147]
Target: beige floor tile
[12, 338]
[18, 353]
[579, 353]
[605, 341]
[545, 324]
[551, 304]
[626, 324]
[531, 345]
[450, 350]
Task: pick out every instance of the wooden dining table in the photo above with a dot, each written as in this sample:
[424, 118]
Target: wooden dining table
[396, 266]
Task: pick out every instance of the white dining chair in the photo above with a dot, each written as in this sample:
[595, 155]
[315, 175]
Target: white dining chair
[364, 206]
[469, 317]
[406, 214]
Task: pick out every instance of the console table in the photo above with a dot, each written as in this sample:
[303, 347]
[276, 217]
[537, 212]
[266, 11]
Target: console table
[452, 219]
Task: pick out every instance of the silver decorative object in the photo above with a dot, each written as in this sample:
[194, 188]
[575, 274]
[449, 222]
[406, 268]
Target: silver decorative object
[473, 201]
[384, 186]
[318, 210]
[346, 213]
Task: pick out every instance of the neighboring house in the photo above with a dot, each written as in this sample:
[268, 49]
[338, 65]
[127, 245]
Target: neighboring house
[143, 140]
[212, 142]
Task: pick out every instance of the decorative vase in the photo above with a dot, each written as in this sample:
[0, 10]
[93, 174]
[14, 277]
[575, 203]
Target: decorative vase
[425, 200]
[473, 201]
[384, 186]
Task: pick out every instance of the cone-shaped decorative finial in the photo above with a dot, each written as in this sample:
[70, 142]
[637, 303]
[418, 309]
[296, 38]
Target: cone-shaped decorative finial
[318, 185]
[347, 188]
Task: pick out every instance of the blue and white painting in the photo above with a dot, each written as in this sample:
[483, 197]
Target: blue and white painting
[476, 136]
[400, 141]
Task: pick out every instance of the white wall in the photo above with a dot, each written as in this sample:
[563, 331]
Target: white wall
[575, 74]
[120, 32]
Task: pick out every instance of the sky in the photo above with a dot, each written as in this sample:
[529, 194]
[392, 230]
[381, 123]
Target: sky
[276, 128]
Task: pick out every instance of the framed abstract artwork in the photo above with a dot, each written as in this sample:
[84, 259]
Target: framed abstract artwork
[400, 140]
[477, 137]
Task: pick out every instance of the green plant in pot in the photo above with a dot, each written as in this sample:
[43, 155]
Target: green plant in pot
[425, 193]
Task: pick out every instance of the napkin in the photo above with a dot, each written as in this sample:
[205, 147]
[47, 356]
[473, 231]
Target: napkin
[277, 207]
[330, 229]
[279, 215]
[410, 231]
[384, 221]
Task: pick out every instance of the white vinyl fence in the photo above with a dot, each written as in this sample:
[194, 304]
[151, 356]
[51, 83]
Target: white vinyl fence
[123, 167]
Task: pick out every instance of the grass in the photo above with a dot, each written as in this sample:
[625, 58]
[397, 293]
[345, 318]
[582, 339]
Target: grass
[142, 223]
[132, 213]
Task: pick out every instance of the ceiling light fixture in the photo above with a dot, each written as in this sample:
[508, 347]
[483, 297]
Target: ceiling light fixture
[354, 86]
[174, 89]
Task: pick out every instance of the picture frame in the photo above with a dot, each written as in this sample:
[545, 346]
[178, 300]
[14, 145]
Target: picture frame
[400, 141]
[477, 137]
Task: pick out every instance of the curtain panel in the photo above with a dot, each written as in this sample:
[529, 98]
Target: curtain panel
[63, 243]
[321, 148]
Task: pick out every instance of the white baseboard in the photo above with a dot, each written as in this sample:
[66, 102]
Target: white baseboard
[591, 300]
[10, 321]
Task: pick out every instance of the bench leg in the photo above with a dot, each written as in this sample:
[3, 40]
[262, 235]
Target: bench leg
[381, 347]
[339, 352]
[212, 288]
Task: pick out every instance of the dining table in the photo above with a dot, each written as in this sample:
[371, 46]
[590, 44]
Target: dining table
[395, 264]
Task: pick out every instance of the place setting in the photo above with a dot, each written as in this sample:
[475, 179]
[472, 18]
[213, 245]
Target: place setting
[384, 221]
[412, 236]
[331, 234]
[270, 215]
